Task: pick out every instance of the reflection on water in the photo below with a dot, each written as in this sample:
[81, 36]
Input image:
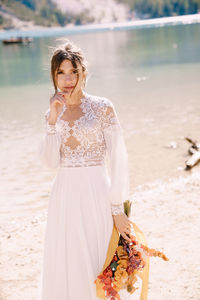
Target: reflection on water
[119, 51]
[152, 77]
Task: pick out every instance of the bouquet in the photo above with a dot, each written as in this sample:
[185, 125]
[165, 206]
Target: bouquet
[124, 261]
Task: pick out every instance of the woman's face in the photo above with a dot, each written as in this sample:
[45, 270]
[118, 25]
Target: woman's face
[67, 78]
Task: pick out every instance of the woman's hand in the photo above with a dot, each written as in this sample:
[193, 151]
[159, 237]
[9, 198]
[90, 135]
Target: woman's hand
[56, 106]
[123, 225]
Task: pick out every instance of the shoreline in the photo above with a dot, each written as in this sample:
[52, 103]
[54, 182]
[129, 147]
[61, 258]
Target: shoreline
[166, 213]
[38, 31]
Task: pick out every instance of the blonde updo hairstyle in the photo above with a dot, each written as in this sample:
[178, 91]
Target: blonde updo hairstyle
[68, 50]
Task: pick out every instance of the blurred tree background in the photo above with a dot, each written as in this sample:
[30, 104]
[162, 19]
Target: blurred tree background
[162, 8]
[41, 12]
[47, 13]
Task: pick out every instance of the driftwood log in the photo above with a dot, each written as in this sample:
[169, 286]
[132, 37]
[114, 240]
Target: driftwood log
[194, 151]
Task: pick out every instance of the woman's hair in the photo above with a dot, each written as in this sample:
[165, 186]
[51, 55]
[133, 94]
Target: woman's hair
[69, 51]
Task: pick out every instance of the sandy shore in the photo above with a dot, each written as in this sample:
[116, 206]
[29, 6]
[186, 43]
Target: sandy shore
[168, 214]
[28, 29]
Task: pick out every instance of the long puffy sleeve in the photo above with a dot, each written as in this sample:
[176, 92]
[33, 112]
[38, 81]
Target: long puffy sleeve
[118, 158]
[49, 147]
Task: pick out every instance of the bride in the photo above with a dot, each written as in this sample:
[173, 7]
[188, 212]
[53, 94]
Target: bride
[83, 139]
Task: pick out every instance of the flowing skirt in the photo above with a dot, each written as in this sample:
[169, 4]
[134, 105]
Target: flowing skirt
[78, 230]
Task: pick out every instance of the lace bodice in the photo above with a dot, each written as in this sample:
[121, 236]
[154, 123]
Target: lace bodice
[84, 137]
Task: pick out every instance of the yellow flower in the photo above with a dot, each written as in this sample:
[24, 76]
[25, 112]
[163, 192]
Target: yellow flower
[120, 278]
[132, 278]
[118, 286]
[123, 263]
[121, 252]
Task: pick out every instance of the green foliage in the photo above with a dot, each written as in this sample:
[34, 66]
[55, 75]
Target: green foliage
[5, 23]
[1, 20]
[54, 15]
[162, 8]
[46, 13]
[82, 18]
[29, 3]
[31, 10]
[19, 10]
[60, 17]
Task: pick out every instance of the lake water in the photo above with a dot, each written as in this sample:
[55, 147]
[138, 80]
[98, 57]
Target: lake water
[152, 77]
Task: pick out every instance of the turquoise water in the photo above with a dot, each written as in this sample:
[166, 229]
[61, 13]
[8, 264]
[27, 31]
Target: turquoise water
[152, 77]
[125, 51]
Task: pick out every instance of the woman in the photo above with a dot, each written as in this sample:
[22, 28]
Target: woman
[84, 140]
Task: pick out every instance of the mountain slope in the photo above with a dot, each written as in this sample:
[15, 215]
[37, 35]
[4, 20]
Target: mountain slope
[19, 13]
[103, 11]
[64, 12]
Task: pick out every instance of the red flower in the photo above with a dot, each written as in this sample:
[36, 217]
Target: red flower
[108, 281]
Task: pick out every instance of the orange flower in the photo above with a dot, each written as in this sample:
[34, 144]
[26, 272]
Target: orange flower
[123, 263]
[121, 273]
[121, 252]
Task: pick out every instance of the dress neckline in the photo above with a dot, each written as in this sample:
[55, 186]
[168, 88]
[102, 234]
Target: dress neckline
[82, 99]
[81, 105]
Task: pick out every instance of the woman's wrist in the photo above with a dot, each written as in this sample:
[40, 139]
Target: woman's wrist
[52, 120]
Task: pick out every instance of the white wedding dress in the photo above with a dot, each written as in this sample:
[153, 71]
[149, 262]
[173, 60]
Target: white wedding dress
[87, 147]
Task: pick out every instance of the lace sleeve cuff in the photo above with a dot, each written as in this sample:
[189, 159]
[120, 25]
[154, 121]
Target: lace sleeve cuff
[117, 209]
[50, 129]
